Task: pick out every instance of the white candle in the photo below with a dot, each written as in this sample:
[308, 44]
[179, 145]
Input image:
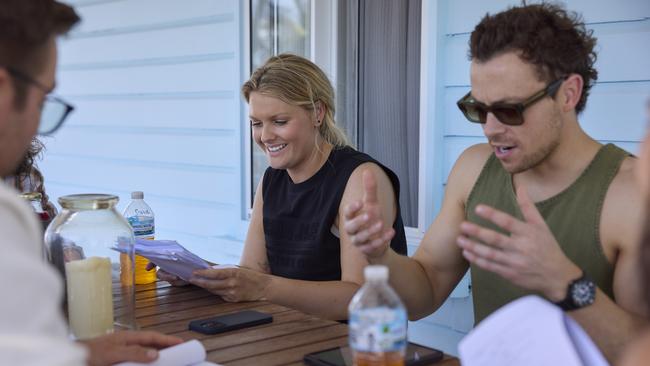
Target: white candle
[90, 297]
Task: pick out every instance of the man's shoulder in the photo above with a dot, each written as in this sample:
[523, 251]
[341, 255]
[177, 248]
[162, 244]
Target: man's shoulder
[623, 187]
[622, 207]
[476, 155]
[468, 167]
[8, 196]
[17, 217]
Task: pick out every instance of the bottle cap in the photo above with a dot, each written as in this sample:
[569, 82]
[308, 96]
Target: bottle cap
[137, 195]
[375, 272]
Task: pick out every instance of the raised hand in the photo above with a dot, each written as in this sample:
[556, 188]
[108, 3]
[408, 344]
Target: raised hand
[529, 257]
[363, 221]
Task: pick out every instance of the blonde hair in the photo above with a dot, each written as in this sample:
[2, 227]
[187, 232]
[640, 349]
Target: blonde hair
[298, 81]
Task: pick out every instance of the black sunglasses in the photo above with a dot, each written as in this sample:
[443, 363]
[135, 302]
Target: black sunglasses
[507, 113]
[55, 110]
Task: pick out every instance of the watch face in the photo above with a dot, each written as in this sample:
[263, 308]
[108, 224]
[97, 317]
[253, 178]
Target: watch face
[583, 293]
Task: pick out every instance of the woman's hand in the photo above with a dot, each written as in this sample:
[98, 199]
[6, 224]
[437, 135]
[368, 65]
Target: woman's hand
[233, 284]
[166, 276]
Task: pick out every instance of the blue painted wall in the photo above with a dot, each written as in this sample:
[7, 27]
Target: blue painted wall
[156, 86]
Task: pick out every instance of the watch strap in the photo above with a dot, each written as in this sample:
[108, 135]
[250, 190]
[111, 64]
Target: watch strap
[569, 303]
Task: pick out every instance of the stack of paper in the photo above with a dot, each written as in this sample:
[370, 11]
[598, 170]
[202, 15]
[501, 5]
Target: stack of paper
[190, 353]
[170, 256]
[529, 331]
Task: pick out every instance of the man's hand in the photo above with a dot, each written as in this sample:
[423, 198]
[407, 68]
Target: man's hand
[233, 284]
[530, 257]
[127, 346]
[363, 221]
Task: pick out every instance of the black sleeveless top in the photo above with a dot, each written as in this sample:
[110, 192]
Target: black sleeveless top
[299, 218]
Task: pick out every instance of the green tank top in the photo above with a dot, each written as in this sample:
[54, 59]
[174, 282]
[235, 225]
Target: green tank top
[573, 216]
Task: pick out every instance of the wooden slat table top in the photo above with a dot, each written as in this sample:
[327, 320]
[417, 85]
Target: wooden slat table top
[285, 341]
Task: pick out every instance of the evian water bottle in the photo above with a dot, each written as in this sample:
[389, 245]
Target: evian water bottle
[141, 218]
[377, 322]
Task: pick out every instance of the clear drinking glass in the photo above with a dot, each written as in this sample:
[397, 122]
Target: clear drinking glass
[91, 245]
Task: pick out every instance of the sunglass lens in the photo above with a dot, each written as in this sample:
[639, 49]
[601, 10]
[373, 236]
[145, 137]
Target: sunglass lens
[508, 116]
[473, 112]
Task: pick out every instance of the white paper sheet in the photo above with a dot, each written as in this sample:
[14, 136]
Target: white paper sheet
[190, 353]
[528, 331]
[170, 256]
[587, 350]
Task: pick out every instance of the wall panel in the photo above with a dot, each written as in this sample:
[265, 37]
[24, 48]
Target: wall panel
[156, 89]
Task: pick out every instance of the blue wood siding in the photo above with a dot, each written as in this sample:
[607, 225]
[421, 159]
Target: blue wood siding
[156, 86]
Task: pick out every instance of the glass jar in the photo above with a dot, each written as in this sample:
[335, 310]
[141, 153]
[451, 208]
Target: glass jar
[91, 245]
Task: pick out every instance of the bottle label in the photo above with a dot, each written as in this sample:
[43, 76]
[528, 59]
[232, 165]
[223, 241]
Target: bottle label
[143, 227]
[376, 330]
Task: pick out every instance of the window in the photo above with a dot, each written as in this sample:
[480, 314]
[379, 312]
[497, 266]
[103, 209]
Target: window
[277, 26]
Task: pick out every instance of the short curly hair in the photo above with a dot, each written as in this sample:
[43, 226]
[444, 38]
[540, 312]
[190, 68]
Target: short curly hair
[546, 35]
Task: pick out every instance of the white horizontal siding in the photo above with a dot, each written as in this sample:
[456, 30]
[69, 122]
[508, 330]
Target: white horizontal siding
[149, 45]
[175, 77]
[156, 89]
[200, 149]
[194, 111]
[121, 16]
[463, 15]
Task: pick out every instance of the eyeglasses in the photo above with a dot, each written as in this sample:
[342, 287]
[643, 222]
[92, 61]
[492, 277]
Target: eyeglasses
[507, 113]
[54, 111]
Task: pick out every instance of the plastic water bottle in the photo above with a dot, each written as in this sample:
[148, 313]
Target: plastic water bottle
[141, 218]
[377, 322]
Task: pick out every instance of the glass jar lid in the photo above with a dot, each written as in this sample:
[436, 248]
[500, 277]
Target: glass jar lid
[89, 201]
[31, 196]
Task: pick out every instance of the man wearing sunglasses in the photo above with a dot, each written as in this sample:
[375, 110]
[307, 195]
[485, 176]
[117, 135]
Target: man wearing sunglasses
[32, 329]
[542, 208]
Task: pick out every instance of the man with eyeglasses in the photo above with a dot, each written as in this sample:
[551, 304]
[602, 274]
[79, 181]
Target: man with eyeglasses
[32, 329]
[542, 208]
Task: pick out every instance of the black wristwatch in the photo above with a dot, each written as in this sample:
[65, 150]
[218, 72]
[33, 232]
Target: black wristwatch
[580, 293]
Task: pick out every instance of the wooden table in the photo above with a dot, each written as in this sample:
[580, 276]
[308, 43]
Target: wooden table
[285, 341]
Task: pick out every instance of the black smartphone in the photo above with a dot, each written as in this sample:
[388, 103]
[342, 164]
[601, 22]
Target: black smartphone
[416, 355]
[224, 323]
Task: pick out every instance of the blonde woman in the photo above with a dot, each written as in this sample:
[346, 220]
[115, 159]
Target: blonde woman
[294, 254]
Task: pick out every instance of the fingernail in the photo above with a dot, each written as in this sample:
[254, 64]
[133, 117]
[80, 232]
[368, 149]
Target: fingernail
[480, 209]
[365, 217]
[152, 354]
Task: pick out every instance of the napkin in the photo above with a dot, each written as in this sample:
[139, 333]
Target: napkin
[529, 331]
[190, 353]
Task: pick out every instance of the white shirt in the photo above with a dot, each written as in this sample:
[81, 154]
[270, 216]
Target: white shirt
[32, 329]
